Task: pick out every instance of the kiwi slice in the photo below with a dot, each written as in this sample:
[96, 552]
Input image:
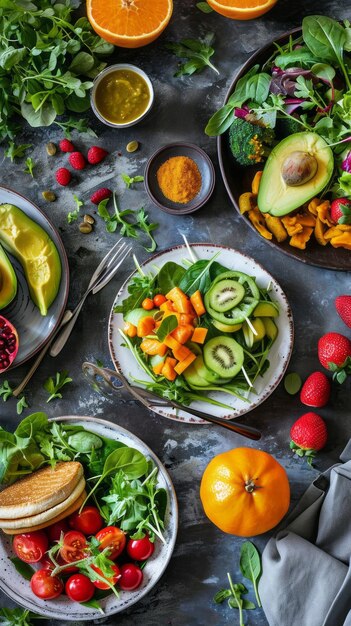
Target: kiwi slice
[224, 356]
[225, 295]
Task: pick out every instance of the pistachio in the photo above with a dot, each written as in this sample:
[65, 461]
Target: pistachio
[132, 146]
[49, 196]
[51, 148]
[88, 219]
[85, 228]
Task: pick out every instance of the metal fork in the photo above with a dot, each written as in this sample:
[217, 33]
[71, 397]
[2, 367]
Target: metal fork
[102, 275]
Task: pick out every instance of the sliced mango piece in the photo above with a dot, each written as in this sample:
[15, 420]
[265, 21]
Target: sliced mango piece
[266, 309]
[270, 327]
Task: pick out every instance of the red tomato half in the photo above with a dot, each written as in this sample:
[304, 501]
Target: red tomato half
[74, 546]
[88, 522]
[113, 538]
[31, 547]
[54, 531]
[46, 586]
[140, 549]
[131, 577]
[112, 580]
[79, 588]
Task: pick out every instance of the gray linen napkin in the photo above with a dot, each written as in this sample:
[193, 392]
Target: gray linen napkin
[306, 578]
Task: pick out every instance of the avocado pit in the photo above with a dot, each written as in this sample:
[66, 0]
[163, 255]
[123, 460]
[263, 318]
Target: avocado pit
[298, 168]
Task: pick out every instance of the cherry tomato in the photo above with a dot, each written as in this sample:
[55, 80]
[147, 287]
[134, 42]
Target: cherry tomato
[79, 588]
[54, 531]
[131, 577]
[31, 547]
[113, 538]
[140, 549]
[159, 299]
[46, 586]
[88, 522]
[112, 579]
[74, 546]
[147, 304]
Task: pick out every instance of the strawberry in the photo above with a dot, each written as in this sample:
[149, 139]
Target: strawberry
[66, 145]
[100, 194]
[77, 160]
[315, 390]
[343, 307]
[308, 435]
[340, 211]
[96, 154]
[334, 353]
[63, 176]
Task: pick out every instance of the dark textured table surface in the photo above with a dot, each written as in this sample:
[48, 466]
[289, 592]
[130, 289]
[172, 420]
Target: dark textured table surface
[203, 554]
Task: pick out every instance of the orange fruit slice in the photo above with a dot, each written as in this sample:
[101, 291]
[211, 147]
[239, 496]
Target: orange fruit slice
[241, 9]
[129, 23]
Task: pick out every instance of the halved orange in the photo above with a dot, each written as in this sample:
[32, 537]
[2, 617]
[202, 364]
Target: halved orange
[129, 23]
[241, 9]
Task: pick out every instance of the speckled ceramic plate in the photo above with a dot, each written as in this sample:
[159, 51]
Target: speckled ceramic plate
[33, 329]
[279, 355]
[18, 589]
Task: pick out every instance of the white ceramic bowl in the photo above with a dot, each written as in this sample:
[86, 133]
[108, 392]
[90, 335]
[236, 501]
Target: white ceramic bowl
[108, 70]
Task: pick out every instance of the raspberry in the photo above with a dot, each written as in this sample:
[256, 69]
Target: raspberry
[96, 154]
[66, 145]
[63, 176]
[100, 194]
[77, 160]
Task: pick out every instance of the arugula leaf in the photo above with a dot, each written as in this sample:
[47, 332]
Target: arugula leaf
[204, 7]
[197, 51]
[14, 151]
[234, 596]
[21, 404]
[53, 384]
[167, 325]
[131, 180]
[16, 617]
[72, 216]
[30, 165]
[79, 125]
[5, 391]
[144, 225]
[22, 568]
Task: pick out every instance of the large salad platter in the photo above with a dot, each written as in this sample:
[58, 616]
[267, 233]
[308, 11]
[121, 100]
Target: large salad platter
[238, 178]
[279, 352]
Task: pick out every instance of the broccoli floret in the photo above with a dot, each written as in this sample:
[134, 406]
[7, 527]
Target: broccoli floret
[250, 143]
[286, 126]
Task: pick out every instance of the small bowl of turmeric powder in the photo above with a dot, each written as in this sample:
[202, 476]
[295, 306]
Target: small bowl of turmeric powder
[180, 178]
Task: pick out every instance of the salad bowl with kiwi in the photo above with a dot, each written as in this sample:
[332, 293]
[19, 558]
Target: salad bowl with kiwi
[204, 326]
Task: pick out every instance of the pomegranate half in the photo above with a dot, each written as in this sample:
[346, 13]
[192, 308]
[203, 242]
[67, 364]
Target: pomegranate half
[8, 344]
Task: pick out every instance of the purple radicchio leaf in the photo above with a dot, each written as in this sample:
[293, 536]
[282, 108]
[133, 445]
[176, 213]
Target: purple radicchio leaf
[241, 112]
[346, 164]
[284, 82]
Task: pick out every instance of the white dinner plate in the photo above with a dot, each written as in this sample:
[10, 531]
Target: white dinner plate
[278, 356]
[18, 589]
[33, 329]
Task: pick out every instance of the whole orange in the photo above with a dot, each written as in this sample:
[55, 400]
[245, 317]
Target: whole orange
[245, 491]
[241, 9]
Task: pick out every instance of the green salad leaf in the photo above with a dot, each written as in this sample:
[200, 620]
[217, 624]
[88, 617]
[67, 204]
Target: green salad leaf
[197, 52]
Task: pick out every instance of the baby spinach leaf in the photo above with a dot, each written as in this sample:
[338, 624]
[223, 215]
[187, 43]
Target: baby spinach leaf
[169, 276]
[298, 56]
[204, 7]
[325, 37]
[197, 277]
[22, 568]
[84, 441]
[250, 565]
[167, 325]
[131, 461]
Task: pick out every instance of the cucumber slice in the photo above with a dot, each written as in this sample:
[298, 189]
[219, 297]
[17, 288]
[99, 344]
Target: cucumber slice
[244, 308]
[224, 356]
[134, 316]
[225, 295]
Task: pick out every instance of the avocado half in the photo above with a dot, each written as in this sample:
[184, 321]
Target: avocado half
[8, 280]
[297, 169]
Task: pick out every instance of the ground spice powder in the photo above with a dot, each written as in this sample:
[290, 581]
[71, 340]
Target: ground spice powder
[179, 179]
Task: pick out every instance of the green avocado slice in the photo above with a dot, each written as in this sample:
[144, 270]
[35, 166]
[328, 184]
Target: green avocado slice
[36, 252]
[8, 280]
[282, 190]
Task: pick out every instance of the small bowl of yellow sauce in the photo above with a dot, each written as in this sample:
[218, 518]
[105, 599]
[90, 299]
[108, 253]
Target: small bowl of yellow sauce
[122, 95]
